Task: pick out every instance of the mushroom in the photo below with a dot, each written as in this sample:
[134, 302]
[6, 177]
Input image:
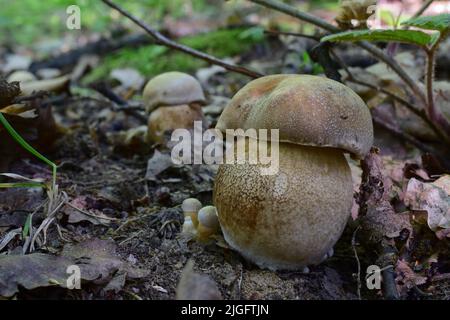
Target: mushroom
[21, 76]
[293, 218]
[190, 208]
[208, 223]
[188, 226]
[174, 100]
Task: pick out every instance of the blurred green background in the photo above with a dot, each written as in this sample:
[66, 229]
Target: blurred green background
[33, 24]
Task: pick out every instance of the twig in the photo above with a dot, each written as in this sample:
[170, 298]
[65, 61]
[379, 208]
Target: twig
[289, 10]
[402, 135]
[161, 39]
[134, 235]
[434, 114]
[377, 53]
[387, 260]
[98, 218]
[128, 221]
[358, 276]
[119, 103]
[420, 113]
[406, 137]
[422, 9]
[294, 34]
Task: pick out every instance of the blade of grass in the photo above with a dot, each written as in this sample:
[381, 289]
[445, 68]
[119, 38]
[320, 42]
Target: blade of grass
[27, 226]
[16, 136]
[22, 185]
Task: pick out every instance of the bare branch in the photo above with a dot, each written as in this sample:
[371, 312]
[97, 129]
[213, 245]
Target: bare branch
[419, 112]
[377, 53]
[422, 9]
[289, 10]
[163, 40]
[434, 114]
[294, 34]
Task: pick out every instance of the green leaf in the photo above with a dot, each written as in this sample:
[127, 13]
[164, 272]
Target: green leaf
[406, 36]
[8, 185]
[440, 22]
[27, 226]
[16, 136]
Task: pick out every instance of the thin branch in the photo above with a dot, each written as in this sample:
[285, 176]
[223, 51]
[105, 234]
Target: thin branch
[294, 34]
[289, 10]
[376, 52]
[420, 113]
[402, 135]
[358, 276]
[163, 40]
[380, 55]
[434, 114]
[422, 9]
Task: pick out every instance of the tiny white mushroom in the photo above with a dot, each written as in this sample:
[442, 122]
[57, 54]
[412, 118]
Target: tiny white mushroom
[208, 222]
[190, 208]
[188, 226]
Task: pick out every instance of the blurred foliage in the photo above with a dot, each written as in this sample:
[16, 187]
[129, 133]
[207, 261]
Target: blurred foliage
[153, 59]
[27, 21]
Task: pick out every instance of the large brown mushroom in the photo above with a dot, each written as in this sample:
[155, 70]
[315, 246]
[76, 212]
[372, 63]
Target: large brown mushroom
[292, 219]
[174, 101]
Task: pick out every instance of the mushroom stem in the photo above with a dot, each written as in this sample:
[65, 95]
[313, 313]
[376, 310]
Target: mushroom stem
[291, 219]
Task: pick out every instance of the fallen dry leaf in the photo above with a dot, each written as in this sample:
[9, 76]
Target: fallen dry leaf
[429, 197]
[97, 260]
[406, 277]
[194, 286]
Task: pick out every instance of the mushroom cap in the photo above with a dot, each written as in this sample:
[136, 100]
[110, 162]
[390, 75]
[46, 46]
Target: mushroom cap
[172, 88]
[191, 205]
[21, 76]
[307, 110]
[207, 216]
[167, 119]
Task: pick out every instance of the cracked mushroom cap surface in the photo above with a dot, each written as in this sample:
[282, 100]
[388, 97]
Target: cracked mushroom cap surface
[170, 89]
[307, 110]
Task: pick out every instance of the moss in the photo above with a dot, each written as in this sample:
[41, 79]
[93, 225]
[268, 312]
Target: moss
[153, 59]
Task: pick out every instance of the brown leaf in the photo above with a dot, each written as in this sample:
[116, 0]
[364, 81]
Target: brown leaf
[406, 277]
[97, 260]
[194, 286]
[429, 197]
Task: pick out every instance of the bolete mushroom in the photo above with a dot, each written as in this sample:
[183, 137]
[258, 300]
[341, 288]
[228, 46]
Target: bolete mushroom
[293, 218]
[174, 100]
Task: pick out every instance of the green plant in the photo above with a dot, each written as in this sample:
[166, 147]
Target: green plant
[25, 145]
[55, 199]
[440, 25]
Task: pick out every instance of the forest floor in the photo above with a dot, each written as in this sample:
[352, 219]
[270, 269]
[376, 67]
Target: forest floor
[121, 217]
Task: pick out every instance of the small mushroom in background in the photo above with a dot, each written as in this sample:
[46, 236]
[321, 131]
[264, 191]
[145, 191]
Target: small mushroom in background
[188, 227]
[21, 76]
[29, 83]
[293, 218]
[190, 208]
[208, 223]
[174, 101]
